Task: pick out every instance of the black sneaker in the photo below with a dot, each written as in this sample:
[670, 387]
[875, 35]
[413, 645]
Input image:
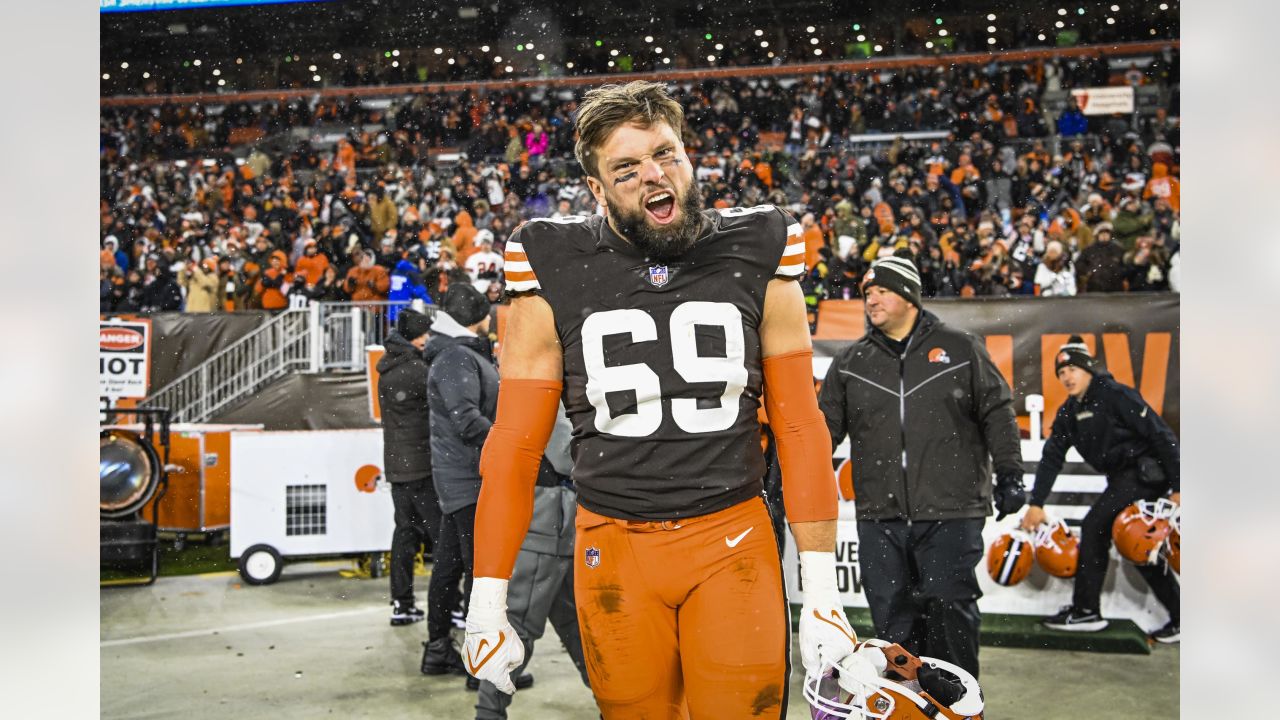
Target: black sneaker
[1169, 634]
[439, 657]
[522, 681]
[1074, 620]
[405, 614]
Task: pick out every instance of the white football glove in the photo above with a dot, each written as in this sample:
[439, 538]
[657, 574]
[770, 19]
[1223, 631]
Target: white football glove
[492, 648]
[824, 630]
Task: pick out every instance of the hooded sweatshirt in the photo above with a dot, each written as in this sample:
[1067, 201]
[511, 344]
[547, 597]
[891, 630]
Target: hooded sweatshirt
[406, 284]
[462, 391]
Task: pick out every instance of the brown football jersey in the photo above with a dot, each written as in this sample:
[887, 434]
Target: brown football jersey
[662, 361]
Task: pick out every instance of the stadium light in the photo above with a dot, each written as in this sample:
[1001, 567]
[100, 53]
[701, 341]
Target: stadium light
[569, 65]
[1062, 11]
[1115, 8]
[497, 58]
[216, 72]
[879, 48]
[1079, 11]
[991, 28]
[813, 41]
[451, 61]
[239, 61]
[1040, 37]
[196, 63]
[541, 56]
[395, 63]
[106, 76]
[810, 29]
[991, 41]
[759, 33]
[648, 38]
[610, 63]
[520, 48]
[929, 45]
[942, 32]
[658, 50]
[613, 53]
[387, 53]
[711, 58]
[312, 68]
[124, 66]
[666, 61]
[316, 78]
[817, 51]
[439, 51]
[529, 45]
[599, 43]
[991, 16]
[337, 56]
[484, 48]
[719, 46]
[1059, 24]
[509, 69]
[706, 36]
[221, 82]
[1111, 21]
[395, 53]
[856, 27]
[770, 53]
[862, 38]
[764, 43]
[146, 75]
[937, 21]
[1164, 6]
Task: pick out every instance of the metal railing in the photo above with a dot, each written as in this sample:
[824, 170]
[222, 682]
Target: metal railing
[279, 347]
[315, 337]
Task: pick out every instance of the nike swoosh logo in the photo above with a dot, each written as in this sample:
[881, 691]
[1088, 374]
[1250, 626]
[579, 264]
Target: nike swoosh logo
[472, 665]
[838, 623]
[734, 542]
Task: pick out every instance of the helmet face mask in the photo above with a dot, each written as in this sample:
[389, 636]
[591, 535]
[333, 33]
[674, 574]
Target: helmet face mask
[1141, 530]
[1057, 549]
[858, 690]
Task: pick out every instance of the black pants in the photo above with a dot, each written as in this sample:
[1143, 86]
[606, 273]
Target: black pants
[1095, 548]
[452, 564]
[417, 522]
[920, 582]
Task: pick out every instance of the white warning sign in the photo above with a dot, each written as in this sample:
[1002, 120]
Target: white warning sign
[124, 358]
[1104, 100]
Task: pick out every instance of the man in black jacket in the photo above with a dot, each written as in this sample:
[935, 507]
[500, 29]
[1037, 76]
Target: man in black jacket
[406, 457]
[462, 390]
[926, 412]
[1119, 435]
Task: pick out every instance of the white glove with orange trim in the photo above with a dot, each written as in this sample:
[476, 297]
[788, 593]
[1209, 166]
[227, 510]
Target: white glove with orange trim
[492, 648]
[824, 630]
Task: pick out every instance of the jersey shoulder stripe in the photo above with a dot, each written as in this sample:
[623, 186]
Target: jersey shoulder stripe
[792, 263]
[544, 242]
[516, 267]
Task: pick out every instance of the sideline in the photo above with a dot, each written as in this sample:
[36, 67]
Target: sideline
[236, 628]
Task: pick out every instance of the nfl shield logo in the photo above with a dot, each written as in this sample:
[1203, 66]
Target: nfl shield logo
[658, 275]
[593, 557]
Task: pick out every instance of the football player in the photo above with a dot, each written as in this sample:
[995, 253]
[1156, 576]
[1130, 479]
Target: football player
[662, 325]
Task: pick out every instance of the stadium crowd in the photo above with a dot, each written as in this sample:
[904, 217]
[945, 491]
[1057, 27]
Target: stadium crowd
[1008, 199]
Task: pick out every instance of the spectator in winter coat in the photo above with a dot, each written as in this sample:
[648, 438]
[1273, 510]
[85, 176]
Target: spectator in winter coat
[121, 257]
[160, 293]
[1055, 276]
[382, 214]
[274, 282]
[1163, 185]
[1130, 222]
[1072, 121]
[406, 286]
[201, 283]
[1100, 267]
[1147, 266]
[464, 234]
[312, 264]
[367, 280]
[462, 394]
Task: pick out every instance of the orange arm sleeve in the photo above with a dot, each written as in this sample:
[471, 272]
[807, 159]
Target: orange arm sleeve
[804, 443]
[509, 470]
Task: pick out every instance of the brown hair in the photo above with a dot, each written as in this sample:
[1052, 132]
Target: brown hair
[607, 107]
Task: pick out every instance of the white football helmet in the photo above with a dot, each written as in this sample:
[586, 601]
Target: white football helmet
[856, 687]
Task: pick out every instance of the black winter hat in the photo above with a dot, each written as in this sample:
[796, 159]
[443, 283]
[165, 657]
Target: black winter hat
[465, 304]
[1075, 352]
[412, 324]
[897, 274]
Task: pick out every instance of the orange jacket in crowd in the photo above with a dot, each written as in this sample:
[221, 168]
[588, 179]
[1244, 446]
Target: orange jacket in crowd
[1163, 185]
[358, 279]
[464, 237]
[312, 268]
[273, 298]
[813, 241]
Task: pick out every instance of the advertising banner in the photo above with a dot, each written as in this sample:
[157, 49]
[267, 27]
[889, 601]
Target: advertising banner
[1104, 100]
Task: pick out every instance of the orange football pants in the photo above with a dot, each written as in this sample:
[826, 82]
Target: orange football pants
[683, 618]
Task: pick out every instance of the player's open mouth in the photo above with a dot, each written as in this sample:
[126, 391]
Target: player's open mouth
[661, 206]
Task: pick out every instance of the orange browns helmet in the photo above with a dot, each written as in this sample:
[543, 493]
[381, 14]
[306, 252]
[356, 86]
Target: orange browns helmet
[1172, 550]
[1010, 557]
[1057, 549]
[1140, 530]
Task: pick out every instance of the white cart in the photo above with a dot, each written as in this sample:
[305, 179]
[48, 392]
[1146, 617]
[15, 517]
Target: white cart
[306, 494]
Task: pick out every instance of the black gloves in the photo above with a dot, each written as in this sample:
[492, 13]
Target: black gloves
[1009, 495]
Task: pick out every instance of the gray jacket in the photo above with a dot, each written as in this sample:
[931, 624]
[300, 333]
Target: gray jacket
[462, 391]
[551, 530]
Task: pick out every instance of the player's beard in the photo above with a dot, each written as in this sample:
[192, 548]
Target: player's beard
[662, 242]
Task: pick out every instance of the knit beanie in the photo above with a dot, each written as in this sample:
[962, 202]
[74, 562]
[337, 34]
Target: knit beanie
[896, 274]
[1075, 352]
[465, 304]
[412, 324]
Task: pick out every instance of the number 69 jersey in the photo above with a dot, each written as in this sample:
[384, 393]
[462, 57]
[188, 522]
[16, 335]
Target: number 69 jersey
[662, 361]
